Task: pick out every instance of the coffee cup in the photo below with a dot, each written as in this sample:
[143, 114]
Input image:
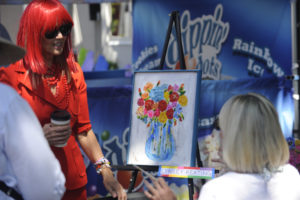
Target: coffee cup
[58, 118]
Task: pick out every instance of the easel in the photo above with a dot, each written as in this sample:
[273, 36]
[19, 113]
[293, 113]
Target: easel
[174, 19]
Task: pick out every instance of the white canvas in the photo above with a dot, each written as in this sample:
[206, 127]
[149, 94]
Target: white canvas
[183, 83]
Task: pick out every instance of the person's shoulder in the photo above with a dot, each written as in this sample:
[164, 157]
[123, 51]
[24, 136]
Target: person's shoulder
[223, 179]
[229, 178]
[290, 169]
[10, 95]
[7, 90]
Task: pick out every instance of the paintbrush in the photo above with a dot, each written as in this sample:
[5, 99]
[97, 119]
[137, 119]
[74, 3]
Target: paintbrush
[145, 172]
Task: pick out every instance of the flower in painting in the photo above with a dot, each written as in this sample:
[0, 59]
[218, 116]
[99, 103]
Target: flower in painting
[157, 113]
[161, 103]
[150, 114]
[157, 93]
[140, 111]
[178, 111]
[175, 88]
[140, 102]
[167, 95]
[155, 106]
[163, 117]
[183, 100]
[170, 113]
[174, 96]
[145, 95]
[149, 104]
[148, 86]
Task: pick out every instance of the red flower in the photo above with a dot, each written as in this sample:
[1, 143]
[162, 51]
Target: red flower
[140, 102]
[156, 113]
[170, 113]
[149, 104]
[162, 105]
[170, 87]
[174, 96]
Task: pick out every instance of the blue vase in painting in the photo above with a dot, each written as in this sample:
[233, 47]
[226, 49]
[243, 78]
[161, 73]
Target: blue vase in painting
[160, 145]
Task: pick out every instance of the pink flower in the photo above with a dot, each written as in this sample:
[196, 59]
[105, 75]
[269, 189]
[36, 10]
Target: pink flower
[150, 113]
[176, 87]
[173, 104]
[157, 113]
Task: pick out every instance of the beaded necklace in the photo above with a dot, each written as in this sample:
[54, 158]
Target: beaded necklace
[56, 81]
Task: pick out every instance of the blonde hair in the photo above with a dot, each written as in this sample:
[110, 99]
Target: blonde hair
[252, 137]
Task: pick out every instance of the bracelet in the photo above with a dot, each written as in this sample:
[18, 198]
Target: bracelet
[99, 164]
[99, 169]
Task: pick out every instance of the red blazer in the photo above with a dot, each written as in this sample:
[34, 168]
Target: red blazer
[42, 102]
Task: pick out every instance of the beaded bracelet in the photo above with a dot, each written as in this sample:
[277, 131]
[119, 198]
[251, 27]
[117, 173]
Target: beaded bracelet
[99, 164]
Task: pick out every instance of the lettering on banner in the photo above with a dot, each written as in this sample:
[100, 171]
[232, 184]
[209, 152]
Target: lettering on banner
[202, 40]
[257, 56]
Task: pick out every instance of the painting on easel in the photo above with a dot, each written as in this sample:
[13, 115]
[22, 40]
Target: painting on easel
[163, 126]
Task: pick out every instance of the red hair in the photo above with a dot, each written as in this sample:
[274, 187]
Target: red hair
[39, 17]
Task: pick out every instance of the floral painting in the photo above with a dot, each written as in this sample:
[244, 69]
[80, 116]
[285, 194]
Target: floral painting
[163, 109]
[160, 108]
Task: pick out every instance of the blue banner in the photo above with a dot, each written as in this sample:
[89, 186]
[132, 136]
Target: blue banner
[226, 39]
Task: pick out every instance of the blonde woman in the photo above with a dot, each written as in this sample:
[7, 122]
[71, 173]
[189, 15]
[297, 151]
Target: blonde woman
[255, 152]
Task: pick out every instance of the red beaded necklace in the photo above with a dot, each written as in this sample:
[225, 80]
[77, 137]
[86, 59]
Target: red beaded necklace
[57, 80]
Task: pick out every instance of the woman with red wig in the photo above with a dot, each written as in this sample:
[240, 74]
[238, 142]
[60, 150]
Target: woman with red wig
[49, 79]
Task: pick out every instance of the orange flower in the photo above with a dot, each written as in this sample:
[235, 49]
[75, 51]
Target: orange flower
[155, 106]
[145, 95]
[148, 86]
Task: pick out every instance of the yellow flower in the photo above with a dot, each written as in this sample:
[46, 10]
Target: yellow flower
[162, 117]
[145, 95]
[148, 86]
[166, 95]
[183, 100]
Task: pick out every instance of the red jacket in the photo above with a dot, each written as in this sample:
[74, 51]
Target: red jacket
[43, 103]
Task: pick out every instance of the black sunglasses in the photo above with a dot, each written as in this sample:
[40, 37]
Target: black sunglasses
[65, 30]
[216, 124]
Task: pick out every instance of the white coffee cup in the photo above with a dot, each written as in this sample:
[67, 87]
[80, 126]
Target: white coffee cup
[60, 117]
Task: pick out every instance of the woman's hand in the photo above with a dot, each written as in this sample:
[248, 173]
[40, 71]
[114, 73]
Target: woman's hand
[57, 134]
[159, 190]
[112, 185]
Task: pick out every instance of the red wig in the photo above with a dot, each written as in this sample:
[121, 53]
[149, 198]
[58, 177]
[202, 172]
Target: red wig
[39, 17]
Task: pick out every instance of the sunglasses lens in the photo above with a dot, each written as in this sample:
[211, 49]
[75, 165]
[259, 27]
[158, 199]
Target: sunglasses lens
[64, 29]
[51, 34]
